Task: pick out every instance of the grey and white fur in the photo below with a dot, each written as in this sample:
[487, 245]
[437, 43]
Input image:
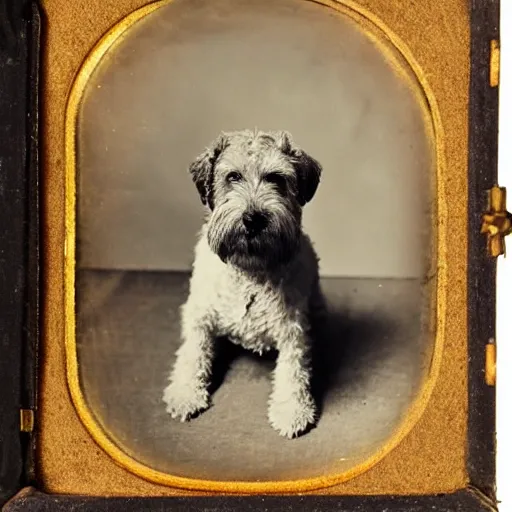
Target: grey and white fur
[255, 274]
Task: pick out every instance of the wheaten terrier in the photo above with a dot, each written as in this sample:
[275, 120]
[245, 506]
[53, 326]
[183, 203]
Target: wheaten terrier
[255, 274]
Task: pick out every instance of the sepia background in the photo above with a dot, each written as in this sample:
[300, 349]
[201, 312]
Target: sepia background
[194, 68]
[162, 93]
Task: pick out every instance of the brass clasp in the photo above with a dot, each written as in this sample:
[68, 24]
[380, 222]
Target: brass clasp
[496, 221]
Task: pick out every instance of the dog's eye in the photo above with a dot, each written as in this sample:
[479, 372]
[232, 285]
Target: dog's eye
[233, 177]
[276, 179]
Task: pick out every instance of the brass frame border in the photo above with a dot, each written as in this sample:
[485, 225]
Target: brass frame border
[362, 17]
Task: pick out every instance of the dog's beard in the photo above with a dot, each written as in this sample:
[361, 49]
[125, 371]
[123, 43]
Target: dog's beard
[274, 246]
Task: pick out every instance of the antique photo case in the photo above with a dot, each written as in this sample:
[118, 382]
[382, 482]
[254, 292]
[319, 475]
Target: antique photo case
[253, 255]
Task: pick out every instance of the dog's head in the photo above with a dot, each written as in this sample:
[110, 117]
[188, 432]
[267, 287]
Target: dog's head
[255, 185]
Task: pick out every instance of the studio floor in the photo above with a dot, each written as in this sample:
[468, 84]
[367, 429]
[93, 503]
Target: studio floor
[373, 361]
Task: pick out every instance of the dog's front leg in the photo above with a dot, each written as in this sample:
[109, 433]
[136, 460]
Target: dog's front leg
[291, 406]
[187, 394]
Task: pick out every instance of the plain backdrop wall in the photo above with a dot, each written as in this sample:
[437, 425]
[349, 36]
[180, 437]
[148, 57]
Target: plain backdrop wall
[196, 67]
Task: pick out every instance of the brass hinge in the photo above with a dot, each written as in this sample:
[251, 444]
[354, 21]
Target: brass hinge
[496, 221]
[494, 64]
[490, 363]
[26, 420]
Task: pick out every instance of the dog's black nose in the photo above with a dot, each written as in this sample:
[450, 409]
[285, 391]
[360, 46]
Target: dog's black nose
[255, 222]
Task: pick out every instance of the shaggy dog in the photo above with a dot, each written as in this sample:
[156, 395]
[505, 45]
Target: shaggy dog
[255, 274]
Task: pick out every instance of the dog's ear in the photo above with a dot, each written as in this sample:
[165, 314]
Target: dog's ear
[202, 169]
[308, 170]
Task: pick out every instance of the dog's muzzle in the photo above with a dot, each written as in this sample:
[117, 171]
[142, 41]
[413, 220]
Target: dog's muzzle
[254, 223]
[255, 242]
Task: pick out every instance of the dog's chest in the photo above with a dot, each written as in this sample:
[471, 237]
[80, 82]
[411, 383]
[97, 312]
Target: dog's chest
[255, 313]
[246, 312]
[250, 313]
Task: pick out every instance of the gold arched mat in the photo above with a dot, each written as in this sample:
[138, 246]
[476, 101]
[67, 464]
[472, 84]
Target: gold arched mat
[381, 36]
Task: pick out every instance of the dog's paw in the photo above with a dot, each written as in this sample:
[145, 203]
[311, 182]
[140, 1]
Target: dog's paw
[185, 401]
[292, 417]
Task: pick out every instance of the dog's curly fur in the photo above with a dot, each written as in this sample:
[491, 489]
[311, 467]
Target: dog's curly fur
[255, 274]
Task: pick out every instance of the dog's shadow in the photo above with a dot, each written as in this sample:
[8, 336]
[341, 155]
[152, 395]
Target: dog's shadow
[346, 347]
